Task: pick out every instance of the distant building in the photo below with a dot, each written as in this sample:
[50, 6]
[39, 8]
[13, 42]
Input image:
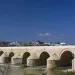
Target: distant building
[62, 43]
[36, 43]
[47, 43]
[13, 44]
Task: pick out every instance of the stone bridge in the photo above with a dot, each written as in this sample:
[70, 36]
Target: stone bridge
[37, 55]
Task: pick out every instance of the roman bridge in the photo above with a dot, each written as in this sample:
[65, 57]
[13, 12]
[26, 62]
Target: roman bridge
[37, 55]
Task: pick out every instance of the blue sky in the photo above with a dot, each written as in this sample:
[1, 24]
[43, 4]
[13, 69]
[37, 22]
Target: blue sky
[31, 20]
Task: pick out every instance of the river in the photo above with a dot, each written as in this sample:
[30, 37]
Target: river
[29, 70]
[40, 70]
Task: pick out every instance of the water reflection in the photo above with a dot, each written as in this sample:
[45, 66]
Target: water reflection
[50, 72]
[40, 71]
[33, 70]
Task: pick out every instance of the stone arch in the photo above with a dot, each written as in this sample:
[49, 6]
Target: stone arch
[66, 49]
[11, 54]
[1, 52]
[43, 58]
[24, 58]
[66, 58]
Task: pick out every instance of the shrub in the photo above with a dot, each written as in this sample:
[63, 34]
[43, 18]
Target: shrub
[66, 73]
[56, 68]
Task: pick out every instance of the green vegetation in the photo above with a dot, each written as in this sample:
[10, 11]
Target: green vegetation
[29, 74]
[71, 57]
[40, 42]
[57, 68]
[66, 73]
[62, 72]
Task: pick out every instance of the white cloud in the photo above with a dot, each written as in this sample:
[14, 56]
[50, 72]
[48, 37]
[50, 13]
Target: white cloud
[62, 34]
[44, 34]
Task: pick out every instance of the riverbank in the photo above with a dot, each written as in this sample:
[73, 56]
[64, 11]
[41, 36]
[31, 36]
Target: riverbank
[20, 70]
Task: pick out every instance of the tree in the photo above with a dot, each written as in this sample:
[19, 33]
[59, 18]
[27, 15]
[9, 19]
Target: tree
[40, 42]
[58, 43]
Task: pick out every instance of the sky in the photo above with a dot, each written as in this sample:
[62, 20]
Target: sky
[32, 20]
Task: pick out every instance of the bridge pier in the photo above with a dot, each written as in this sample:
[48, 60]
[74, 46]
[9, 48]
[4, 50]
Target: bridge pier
[32, 60]
[3, 58]
[16, 60]
[52, 62]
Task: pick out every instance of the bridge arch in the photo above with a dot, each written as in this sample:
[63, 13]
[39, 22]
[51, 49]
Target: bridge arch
[66, 57]
[43, 58]
[8, 60]
[24, 58]
[1, 52]
[64, 50]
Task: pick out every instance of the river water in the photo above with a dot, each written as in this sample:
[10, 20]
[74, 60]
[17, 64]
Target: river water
[29, 70]
[41, 70]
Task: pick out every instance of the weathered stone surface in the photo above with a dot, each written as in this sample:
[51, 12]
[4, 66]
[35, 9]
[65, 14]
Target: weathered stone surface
[37, 51]
[16, 60]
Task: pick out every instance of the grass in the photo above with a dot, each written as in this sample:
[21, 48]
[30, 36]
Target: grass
[57, 68]
[61, 72]
[66, 73]
[29, 74]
